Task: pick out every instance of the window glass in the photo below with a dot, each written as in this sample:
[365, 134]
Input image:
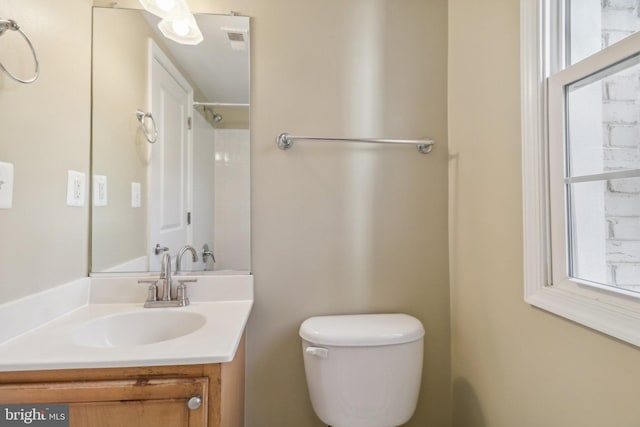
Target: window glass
[605, 232]
[596, 24]
[603, 120]
[602, 175]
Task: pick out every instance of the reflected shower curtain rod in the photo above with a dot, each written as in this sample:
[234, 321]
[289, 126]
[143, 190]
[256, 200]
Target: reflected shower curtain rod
[285, 141]
[221, 104]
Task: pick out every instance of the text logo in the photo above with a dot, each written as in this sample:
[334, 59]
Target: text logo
[34, 415]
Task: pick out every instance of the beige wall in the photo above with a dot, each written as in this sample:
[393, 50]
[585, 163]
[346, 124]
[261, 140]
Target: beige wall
[513, 365]
[339, 228]
[44, 131]
[120, 149]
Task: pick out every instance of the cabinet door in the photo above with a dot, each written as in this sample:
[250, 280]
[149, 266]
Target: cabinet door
[127, 403]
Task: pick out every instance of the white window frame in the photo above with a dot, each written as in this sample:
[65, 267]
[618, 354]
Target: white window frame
[611, 312]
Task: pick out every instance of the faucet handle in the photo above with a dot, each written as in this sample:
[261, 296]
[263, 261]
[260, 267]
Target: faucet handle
[152, 293]
[206, 252]
[160, 249]
[181, 291]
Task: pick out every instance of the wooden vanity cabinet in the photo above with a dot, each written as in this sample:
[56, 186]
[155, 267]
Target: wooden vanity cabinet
[154, 396]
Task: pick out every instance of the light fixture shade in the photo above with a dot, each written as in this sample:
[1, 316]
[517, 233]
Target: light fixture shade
[183, 30]
[166, 9]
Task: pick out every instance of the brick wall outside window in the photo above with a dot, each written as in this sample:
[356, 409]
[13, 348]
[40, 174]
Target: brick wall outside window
[621, 127]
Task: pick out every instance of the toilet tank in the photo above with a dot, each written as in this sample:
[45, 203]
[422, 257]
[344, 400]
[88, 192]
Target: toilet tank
[363, 370]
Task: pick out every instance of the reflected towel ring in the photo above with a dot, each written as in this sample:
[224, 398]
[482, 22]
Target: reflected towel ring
[150, 135]
[10, 24]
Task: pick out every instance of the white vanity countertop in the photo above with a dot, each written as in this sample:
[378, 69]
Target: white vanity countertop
[223, 303]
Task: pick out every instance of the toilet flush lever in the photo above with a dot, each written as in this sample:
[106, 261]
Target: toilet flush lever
[318, 352]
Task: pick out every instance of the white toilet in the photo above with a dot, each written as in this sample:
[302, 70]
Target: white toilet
[363, 370]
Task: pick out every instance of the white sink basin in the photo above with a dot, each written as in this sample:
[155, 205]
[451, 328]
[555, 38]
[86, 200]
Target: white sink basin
[99, 322]
[137, 328]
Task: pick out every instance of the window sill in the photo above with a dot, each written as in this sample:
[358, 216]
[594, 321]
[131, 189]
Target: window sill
[591, 308]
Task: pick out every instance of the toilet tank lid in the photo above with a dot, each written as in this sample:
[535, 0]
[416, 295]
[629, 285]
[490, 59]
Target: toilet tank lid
[358, 330]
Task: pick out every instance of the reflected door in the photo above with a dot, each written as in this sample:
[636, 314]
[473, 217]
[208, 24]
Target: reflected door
[169, 184]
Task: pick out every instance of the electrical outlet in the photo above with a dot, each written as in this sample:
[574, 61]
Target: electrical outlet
[99, 190]
[76, 183]
[136, 195]
[6, 185]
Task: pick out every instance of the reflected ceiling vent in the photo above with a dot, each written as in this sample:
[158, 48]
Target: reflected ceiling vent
[237, 38]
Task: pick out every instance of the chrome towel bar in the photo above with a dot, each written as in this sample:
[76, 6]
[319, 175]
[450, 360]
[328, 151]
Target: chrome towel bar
[221, 104]
[285, 141]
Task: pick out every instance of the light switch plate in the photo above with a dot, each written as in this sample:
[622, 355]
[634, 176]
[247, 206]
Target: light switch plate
[99, 190]
[6, 185]
[136, 195]
[76, 185]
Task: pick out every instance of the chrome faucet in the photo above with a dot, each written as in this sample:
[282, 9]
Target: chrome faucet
[165, 276]
[185, 248]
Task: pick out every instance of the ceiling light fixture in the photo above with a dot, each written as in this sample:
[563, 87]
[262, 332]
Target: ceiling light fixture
[181, 30]
[166, 9]
[178, 23]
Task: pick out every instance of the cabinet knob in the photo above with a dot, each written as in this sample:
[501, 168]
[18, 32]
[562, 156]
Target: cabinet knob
[194, 403]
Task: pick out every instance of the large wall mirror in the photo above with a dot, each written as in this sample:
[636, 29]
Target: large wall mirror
[170, 144]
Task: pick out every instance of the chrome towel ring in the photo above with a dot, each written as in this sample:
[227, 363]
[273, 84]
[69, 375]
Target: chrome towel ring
[10, 24]
[150, 135]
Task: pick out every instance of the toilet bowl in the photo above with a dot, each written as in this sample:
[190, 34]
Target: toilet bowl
[363, 370]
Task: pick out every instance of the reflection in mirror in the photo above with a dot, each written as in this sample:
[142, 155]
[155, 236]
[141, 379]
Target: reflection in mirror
[190, 186]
